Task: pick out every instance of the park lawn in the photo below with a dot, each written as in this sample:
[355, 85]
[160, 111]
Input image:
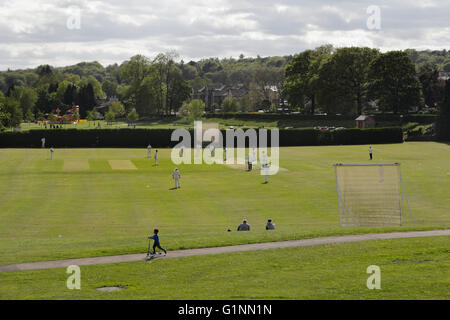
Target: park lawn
[59, 209]
[410, 269]
[223, 124]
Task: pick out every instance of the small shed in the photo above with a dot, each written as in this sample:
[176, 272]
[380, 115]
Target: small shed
[363, 122]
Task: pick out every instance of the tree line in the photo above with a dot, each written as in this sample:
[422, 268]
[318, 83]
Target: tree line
[349, 80]
[326, 79]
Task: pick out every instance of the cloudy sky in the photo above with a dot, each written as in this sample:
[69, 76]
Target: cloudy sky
[62, 32]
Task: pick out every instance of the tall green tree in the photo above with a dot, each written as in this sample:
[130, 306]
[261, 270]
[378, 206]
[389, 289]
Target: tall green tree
[230, 104]
[432, 90]
[443, 122]
[132, 116]
[302, 77]
[393, 83]
[109, 88]
[92, 115]
[193, 110]
[26, 97]
[118, 109]
[110, 117]
[13, 112]
[86, 98]
[343, 80]
[4, 115]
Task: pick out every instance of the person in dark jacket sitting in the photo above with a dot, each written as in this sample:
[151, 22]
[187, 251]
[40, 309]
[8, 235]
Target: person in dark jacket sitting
[270, 225]
[244, 226]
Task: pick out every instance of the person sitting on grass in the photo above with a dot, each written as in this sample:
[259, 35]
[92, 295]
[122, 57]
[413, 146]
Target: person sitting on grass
[244, 226]
[270, 225]
[156, 243]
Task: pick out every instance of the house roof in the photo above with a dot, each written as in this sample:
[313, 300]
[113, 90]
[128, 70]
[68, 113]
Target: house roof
[363, 118]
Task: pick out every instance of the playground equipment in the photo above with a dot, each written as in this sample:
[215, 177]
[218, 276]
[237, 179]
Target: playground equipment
[69, 117]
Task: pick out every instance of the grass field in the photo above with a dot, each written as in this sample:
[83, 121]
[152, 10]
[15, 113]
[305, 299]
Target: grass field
[410, 269]
[223, 123]
[79, 205]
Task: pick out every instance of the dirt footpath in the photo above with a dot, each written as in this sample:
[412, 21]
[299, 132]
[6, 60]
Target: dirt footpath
[219, 250]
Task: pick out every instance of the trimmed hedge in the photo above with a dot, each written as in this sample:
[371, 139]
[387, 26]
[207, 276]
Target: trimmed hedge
[89, 138]
[160, 138]
[420, 118]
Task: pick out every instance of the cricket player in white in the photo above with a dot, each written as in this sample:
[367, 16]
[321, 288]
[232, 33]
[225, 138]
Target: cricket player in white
[149, 151]
[265, 167]
[176, 177]
[51, 153]
[264, 159]
[266, 171]
[43, 142]
[156, 157]
[181, 151]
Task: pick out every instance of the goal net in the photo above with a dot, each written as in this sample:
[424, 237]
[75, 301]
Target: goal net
[371, 195]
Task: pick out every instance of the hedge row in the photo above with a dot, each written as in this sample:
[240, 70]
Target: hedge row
[420, 118]
[161, 138]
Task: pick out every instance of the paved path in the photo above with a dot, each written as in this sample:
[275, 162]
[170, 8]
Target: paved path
[218, 250]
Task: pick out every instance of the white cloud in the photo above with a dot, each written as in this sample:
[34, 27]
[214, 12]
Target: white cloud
[35, 32]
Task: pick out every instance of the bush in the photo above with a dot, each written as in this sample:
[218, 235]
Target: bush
[160, 138]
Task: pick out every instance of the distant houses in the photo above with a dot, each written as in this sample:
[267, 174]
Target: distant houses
[214, 95]
[104, 104]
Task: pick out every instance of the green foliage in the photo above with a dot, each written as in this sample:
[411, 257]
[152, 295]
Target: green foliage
[109, 88]
[393, 82]
[193, 110]
[29, 116]
[432, 90]
[12, 114]
[75, 115]
[96, 86]
[132, 116]
[343, 80]
[40, 116]
[110, 116]
[438, 58]
[118, 109]
[230, 105]
[443, 123]
[302, 77]
[66, 119]
[52, 118]
[92, 115]
[4, 115]
[244, 104]
[155, 87]
[161, 85]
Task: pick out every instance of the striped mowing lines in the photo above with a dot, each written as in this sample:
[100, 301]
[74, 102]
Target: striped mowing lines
[122, 165]
[76, 165]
